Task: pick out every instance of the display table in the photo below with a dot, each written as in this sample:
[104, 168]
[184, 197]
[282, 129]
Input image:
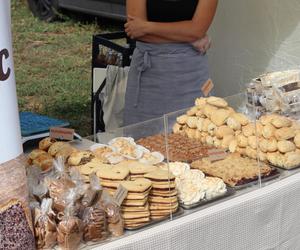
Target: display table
[261, 218]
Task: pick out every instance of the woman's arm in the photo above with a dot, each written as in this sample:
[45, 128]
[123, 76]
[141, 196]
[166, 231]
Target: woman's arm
[185, 31]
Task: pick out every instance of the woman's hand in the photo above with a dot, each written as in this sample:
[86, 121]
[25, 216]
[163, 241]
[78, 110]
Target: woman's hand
[203, 44]
[136, 27]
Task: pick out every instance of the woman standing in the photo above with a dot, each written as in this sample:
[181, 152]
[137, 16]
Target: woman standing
[169, 64]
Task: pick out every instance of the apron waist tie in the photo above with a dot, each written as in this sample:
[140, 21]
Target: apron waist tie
[144, 64]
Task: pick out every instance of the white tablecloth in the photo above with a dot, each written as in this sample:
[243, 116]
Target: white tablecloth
[265, 218]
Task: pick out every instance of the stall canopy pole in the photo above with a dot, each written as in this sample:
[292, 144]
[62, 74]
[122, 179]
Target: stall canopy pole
[10, 133]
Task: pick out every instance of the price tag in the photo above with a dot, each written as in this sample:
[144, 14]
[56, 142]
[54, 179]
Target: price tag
[120, 194]
[207, 87]
[62, 133]
[216, 154]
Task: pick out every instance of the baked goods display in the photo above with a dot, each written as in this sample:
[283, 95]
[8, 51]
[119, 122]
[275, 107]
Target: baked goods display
[180, 147]
[275, 92]
[234, 170]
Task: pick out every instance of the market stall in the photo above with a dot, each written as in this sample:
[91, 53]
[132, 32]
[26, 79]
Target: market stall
[223, 174]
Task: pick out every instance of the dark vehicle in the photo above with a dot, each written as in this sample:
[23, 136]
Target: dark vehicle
[47, 10]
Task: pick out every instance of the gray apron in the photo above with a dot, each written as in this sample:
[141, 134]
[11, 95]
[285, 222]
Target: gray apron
[163, 78]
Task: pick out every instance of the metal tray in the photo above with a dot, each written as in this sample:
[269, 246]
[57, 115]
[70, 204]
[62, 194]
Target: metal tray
[286, 169]
[230, 191]
[179, 212]
[264, 179]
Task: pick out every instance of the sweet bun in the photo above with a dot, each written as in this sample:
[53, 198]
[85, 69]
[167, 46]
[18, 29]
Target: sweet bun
[209, 110]
[217, 102]
[281, 122]
[223, 130]
[242, 141]
[233, 123]
[268, 131]
[252, 141]
[297, 140]
[200, 102]
[263, 145]
[241, 118]
[284, 133]
[272, 145]
[286, 146]
[248, 130]
[182, 119]
[55, 147]
[35, 153]
[46, 143]
[219, 117]
[276, 159]
[292, 159]
[192, 111]
[192, 121]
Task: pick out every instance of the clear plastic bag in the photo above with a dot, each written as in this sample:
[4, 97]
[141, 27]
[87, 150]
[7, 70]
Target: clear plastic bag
[113, 213]
[94, 217]
[69, 230]
[45, 225]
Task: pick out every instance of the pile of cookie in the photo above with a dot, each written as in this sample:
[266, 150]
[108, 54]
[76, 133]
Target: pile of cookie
[135, 208]
[163, 195]
[213, 122]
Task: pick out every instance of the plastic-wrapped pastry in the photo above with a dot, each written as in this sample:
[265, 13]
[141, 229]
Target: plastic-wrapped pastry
[45, 225]
[69, 230]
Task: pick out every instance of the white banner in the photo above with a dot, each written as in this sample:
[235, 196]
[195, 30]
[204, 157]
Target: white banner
[10, 133]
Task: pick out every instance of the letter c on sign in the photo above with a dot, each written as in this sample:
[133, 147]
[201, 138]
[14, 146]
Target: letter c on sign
[4, 75]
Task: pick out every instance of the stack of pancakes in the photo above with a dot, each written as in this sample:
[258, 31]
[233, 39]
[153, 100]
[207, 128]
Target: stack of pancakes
[135, 208]
[163, 196]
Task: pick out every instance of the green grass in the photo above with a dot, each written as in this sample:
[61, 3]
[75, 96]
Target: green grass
[53, 66]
